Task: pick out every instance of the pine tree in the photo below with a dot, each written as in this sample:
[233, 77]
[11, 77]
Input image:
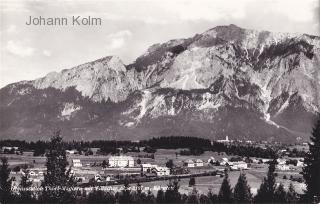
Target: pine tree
[104, 164]
[225, 193]
[280, 194]
[125, 195]
[160, 197]
[139, 188]
[193, 198]
[98, 196]
[192, 181]
[242, 192]
[170, 165]
[135, 198]
[184, 198]
[312, 165]
[5, 182]
[58, 183]
[268, 186]
[25, 193]
[172, 194]
[139, 196]
[212, 197]
[149, 198]
[204, 199]
[292, 196]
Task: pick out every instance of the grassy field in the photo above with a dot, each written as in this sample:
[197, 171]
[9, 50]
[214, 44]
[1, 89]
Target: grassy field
[203, 184]
[255, 175]
[161, 157]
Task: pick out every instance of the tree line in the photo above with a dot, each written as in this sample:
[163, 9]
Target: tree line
[195, 146]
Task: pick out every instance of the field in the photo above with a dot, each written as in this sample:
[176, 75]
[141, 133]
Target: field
[203, 184]
[254, 175]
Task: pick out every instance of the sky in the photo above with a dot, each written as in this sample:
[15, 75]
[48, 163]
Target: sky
[128, 28]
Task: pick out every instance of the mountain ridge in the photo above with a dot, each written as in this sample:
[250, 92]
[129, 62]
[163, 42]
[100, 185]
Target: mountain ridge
[271, 78]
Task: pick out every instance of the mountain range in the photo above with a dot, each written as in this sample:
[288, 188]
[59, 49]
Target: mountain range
[227, 81]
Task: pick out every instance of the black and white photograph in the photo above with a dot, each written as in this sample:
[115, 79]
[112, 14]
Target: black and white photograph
[159, 101]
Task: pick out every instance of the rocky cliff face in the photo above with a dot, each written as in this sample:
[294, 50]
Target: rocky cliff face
[226, 81]
[103, 79]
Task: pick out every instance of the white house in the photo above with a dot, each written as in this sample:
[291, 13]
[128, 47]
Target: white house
[73, 151]
[240, 165]
[9, 148]
[193, 163]
[161, 171]
[300, 163]
[76, 163]
[147, 167]
[121, 161]
[80, 178]
[283, 167]
[32, 173]
[225, 141]
[224, 161]
[108, 178]
[4, 149]
[36, 171]
[189, 163]
[281, 161]
[98, 178]
[212, 159]
[199, 162]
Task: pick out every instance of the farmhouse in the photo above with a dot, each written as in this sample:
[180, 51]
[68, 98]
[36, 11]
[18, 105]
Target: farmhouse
[239, 165]
[224, 161]
[189, 163]
[32, 173]
[283, 167]
[36, 171]
[76, 163]
[211, 160]
[80, 178]
[121, 161]
[199, 163]
[161, 171]
[9, 149]
[300, 163]
[147, 167]
[193, 163]
[73, 151]
[225, 141]
[36, 175]
[98, 178]
[85, 174]
[152, 168]
[281, 161]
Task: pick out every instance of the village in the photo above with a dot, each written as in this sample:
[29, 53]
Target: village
[156, 170]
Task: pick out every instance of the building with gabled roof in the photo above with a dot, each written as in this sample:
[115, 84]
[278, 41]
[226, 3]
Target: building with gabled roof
[76, 163]
[121, 161]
